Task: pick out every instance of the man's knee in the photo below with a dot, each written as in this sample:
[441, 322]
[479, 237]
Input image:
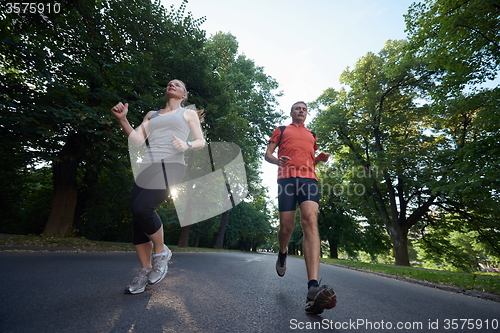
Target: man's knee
[309, 224]
[309, 217]
[287, 222]
[286, 227]
[286, 230]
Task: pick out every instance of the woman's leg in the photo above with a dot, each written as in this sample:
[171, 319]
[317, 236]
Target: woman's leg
[158, 241]
[145, 220]
[144, 254]
[148, 227]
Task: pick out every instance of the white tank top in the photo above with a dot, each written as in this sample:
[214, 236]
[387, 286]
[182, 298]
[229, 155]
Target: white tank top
[161, 128]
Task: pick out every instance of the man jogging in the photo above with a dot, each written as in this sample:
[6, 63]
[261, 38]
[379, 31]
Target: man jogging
[298, 184]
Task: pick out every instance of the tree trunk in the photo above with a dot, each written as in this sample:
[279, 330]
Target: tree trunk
[399, 238]
[398, 230]
[89, 182]
[334, 249]
[64, 169]
[184, 238]
[219, 239]
[197, 238]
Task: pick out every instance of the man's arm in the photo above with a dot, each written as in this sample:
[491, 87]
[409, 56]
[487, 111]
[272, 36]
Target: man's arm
[322, 157]
[269, 156]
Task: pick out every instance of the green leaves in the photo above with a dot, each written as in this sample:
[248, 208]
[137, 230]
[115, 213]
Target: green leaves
[62, 73]
[375, 124]
[416, 115]
[242, 104]
[460, 37]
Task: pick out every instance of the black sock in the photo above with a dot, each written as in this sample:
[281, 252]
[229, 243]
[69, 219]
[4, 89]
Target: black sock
[312, 283]
[282, 254]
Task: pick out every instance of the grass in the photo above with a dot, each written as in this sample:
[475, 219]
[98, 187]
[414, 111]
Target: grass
[483, 282]
[51, 241]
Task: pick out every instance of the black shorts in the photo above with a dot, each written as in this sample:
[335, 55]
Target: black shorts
[152, 187]
[296, 190]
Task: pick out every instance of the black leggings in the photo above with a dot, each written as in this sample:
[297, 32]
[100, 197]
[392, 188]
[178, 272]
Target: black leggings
[145, 220]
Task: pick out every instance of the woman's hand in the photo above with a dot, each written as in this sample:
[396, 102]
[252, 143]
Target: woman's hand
[120, 110]
[179, 144]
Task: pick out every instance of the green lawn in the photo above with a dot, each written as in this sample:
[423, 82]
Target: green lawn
[484, 282]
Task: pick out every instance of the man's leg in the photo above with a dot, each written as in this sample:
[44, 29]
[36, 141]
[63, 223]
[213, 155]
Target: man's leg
[287, 222]
[318, 297]
[311, 245]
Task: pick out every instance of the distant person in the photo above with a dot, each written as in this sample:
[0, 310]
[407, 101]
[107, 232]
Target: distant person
[162, 168]
[298, 184]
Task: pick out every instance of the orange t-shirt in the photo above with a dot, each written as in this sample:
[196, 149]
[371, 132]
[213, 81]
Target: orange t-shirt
[298, 143]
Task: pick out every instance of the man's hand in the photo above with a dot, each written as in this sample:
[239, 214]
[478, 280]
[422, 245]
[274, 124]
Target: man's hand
[283, 160]
[322, 157]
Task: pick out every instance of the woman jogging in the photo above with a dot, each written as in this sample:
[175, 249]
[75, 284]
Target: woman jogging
[162, 168]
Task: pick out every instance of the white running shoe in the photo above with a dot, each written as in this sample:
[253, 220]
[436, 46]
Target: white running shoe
[139, 283]
[160, 266]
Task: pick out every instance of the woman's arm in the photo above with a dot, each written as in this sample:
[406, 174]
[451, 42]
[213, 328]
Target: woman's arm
[136, 136]
[193, 121]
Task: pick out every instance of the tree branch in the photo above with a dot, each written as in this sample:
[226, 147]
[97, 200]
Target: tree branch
[497, 46]
[419, 212]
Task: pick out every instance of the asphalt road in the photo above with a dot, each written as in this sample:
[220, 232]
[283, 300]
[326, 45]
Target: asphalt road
[218, 292]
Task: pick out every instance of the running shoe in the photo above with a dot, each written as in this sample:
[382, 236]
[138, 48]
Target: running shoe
[139, 284]
[281, 264]
[160, 266]
[320, 298]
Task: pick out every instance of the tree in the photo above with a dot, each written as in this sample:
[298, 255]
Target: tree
[243, 101]
[449, 243]
[424, 160]
[68, 68]
[248, 227]
[338, 221]
[459, 40]
[62, 73]
[471, 191]
[377, 126]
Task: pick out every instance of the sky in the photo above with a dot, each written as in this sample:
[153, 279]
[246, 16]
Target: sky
[304, 45]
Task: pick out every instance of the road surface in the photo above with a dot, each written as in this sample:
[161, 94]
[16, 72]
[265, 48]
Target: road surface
[218, 292]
